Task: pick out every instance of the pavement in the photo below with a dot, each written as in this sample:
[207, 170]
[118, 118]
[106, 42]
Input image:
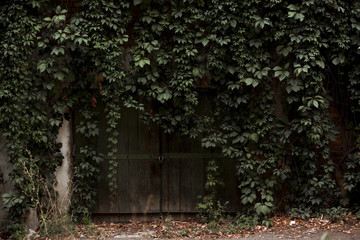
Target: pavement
[262, 236]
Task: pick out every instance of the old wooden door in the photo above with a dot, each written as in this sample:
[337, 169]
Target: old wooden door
[157, 172]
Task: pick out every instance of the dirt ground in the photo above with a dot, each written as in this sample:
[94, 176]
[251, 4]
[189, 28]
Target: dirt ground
[283, 228]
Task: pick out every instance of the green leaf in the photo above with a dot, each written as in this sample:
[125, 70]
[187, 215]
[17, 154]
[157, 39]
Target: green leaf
[315, 103]
[293, 7]
[320, 63]
[59, 75]
[58, 9]
[240, 139]
[196, 72]
[248, 81]
[291, 14]
[137, 2]
[143, 62]
[142, 80]
[299, 16]
[233, 23]
[254, 137]
[164, 96]
[231, 69]
[41, 67]
[204, 42]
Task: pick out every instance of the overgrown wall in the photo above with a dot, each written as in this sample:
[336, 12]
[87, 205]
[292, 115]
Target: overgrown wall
[63, 173]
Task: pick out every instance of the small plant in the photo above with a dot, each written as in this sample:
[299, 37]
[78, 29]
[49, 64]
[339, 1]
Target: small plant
[13, 230]
[357, 214]
[336, 214]
[246, 222]
[211, 209]
[268, 222]
[59, 227]
[300, 212]
[41, 192]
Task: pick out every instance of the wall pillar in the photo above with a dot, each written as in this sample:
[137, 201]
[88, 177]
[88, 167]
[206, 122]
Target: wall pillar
[63, 172]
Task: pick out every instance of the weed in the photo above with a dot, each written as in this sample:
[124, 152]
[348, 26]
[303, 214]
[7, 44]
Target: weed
[336, 214]
[246, 222]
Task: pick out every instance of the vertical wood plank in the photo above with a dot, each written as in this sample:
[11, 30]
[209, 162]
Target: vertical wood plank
[174, 185]
[103, 192]
[185, 185]
[134, 189]
[154, 186]
[123, 166]
[144, 167]
[165, 185]
[231, 192]
[123, 186]
[197, 182]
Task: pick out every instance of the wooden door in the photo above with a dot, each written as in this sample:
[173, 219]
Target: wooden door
[147, 184]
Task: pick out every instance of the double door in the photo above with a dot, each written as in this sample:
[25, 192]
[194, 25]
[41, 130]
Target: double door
[156, 173]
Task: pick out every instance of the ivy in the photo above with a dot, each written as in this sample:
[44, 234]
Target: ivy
[271, 68]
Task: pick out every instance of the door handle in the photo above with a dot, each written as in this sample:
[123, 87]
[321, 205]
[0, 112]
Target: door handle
[161, 159]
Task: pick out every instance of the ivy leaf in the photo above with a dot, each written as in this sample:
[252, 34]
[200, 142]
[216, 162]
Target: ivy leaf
[255, 43]
[58, 9]
[315, 103]
[58, 50]
[204, 42]
[233, 23]
[142, 80]
[254, 137]
[320, 63]
[293, 7]
[299, 16]
[147, 19]
[59, 75]
[248, 81]
[137, 2]
[239, 138]
[231, 69]
[291, 14]
[143, 62]
[196, 72]
[283, 50]
[41, 66]
[262, 209]
[338, 59]
[164, 96]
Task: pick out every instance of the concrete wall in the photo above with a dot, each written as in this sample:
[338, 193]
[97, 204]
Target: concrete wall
[63, 172]
[4, 171]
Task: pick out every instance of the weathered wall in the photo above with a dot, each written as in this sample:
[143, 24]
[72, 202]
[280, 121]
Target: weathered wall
[63, 173]
[5, 186]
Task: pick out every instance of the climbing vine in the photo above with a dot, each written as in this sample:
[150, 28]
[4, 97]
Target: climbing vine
[274, 69]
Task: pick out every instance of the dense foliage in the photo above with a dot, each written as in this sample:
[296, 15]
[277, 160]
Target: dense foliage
[273, 68]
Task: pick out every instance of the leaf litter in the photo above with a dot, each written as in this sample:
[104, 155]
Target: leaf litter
[192, 228]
